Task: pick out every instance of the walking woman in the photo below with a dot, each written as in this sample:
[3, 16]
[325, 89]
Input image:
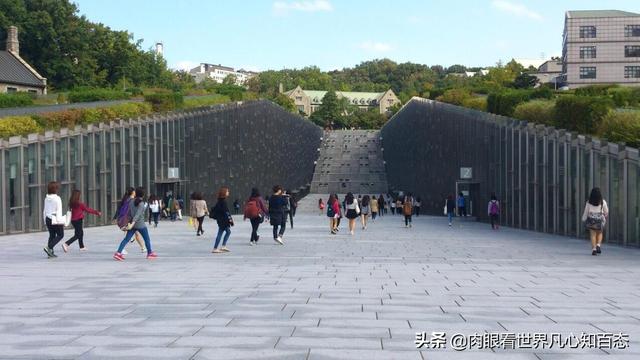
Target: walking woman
[382, 204]
[462, 209]
[52, 214]
[136, 211]
[493, 209]
[255, 210]
[407, 210]
[198, 210]
[374, 207]
[277, 206]
[595, 217]
[121, 214]
[450, 208]
[418, 205]
[333, 213]
[353, 211]
[223, 217]
[154, 208]
[365, 209]
[321, 205]
[392, 204]
[77, 216]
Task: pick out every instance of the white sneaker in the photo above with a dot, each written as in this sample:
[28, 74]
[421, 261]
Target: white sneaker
[143, 250]
[65, 247]
[251, 243]
[124, 252]
[279, 240]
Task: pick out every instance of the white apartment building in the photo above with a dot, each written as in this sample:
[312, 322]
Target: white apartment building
[218, 73]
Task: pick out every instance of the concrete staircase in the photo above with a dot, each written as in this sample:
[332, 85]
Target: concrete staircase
[350, 161]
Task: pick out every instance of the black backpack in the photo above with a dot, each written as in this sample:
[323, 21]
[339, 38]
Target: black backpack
[212, 212]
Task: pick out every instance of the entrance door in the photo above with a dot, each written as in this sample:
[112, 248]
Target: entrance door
[471, 192]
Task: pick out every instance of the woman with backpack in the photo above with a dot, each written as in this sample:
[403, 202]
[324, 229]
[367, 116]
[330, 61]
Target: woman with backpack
[365, 209]
[121, 217]
[407, 210]
[255, 210]
[221, 213]
[198, 211]
[278, 203]
[353, 211]
[493, 209]
[77, 216]
[135, 213]
[52, 214]
[374, 207]
[450, 209]
[595, 217]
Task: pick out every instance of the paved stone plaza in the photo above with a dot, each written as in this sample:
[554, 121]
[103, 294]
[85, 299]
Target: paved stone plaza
[317, 297]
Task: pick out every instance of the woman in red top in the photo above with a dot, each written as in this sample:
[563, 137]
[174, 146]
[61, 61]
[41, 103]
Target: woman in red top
[77, 215]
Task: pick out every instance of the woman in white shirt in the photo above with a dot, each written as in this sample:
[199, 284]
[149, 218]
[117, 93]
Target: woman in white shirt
[353, 211]
[595, 217]
[52, 214]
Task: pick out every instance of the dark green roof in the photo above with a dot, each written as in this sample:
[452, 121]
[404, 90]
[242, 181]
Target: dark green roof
[599, 14]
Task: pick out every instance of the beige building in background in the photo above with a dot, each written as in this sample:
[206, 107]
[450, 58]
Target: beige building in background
[601, 47]
[15, 74]
[308, 101]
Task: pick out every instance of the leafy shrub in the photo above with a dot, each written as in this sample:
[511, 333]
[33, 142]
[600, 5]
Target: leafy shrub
[18, 125]
[87, 95]
[59, 119]
[15, 100]
[621, 126]
[478, 103]
[505, 102]
[135, 91]
[61, 98]
[542, 92]
[165, 101]
[205, 101]
[536, 111]
[594, 90]
[625, 96]
[455, 96]
[581, 113]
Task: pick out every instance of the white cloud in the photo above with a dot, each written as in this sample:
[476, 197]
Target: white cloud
[414, 19]
[185, 65]
[281, 7]
[516, 9]
[375, 46]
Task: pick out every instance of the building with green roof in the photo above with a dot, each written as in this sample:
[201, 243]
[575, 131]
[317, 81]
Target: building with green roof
[308, 101]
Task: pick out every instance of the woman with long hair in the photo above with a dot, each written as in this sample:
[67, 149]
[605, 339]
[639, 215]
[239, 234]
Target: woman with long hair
[375, 206]
[321, 205]
[122, 212]
[155, 206]
[255, 210]
[365, 209]
[277, 206]
[333, 213]
[52, 213]
[136, 212]
[77, 217]
[595, 217]
[353, 211]
[223, 217]
[198, 211]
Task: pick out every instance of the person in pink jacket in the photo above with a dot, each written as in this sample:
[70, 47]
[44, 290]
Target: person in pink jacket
[77, 216]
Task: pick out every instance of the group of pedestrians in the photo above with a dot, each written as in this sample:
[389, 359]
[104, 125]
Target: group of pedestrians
[277, 208]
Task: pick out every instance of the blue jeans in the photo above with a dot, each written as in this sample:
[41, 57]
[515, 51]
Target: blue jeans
[145, 235]
[450, 216]
[227, 231]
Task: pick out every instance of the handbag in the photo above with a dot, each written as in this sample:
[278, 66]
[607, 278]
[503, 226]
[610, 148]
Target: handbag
[63, 220]
[445, 208]
[595, 221]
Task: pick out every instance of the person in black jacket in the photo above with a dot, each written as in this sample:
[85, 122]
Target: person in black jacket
[277, 215]
[451, 208]
[223, 218]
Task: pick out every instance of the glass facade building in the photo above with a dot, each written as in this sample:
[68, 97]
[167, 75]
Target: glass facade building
[541, 175]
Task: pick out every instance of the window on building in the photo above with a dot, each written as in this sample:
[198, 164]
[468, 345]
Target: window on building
[587, 32]
[298, 98]
[588, 72]
[301, 108]
[12, 89]
[632, 30]
[632, 51]
[587, 52]
[632, 72]
[31, 91]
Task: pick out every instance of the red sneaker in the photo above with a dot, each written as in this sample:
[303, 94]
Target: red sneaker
[118, 257]
[152, 255]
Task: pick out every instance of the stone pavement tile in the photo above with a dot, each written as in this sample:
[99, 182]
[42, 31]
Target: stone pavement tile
[123, 340]
[266, 322]
[41, 351]
[301, 314]
[151, 330]
[241, 342]
[36, 339]
[355, 323]
[136, 352]
[299, 342]
[210, 321]
[58, 329]
[242, 354]
[331, 354]
[342, 332]
[19, 320]
[247, 331]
